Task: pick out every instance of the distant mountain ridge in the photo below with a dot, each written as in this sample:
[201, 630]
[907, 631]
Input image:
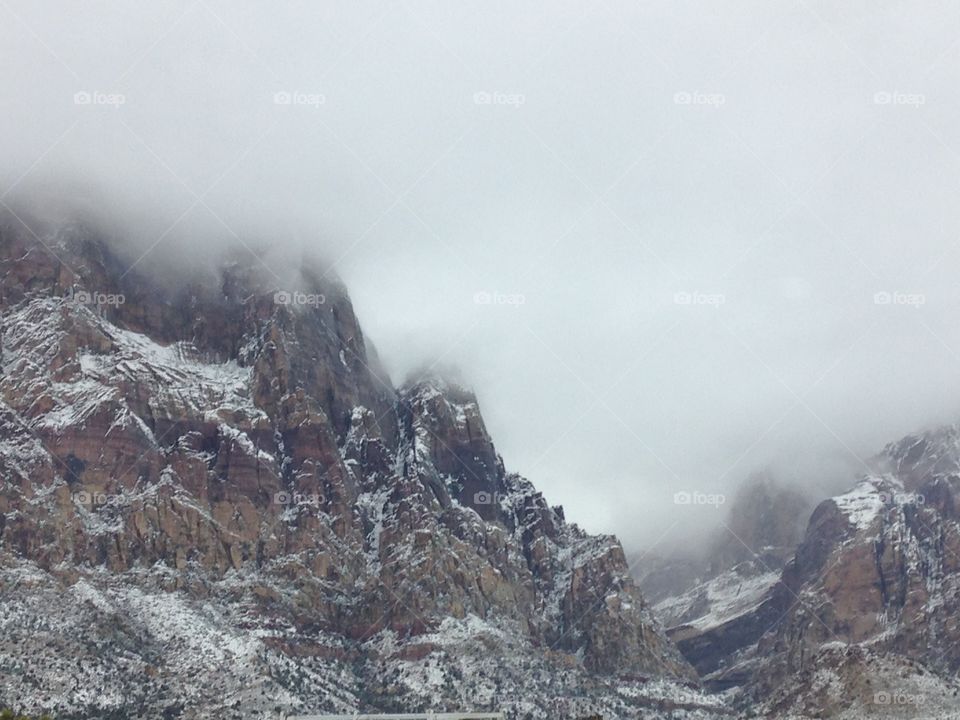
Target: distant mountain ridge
[717, 605]
[858, 620]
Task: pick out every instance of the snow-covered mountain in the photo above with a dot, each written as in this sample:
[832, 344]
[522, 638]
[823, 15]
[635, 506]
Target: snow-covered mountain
[859, 620]
[213, 503]
[875, 584]
[718, 603]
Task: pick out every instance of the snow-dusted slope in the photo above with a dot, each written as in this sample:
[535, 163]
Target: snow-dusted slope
[718, 600]
[872, 596]
[212, 504]
[861, 620]
[718, 605]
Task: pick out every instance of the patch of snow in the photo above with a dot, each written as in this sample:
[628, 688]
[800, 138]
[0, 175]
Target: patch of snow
[861, 505]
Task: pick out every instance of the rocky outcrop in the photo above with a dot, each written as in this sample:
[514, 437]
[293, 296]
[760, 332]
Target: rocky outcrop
[718, 605]
[876, 576]
[225, 446]
[764, 525]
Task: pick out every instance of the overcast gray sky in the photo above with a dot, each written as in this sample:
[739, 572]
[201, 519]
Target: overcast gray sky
[652, 234]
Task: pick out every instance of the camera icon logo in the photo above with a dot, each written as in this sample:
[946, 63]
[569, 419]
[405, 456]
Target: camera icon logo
[483, 498]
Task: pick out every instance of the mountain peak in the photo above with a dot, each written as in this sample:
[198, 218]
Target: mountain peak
[206, 443]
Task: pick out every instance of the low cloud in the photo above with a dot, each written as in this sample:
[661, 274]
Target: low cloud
[667, 246]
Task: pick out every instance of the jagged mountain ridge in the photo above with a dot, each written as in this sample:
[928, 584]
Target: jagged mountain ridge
[859, 620]
[208, 485]
[718, 604]
[876, 579]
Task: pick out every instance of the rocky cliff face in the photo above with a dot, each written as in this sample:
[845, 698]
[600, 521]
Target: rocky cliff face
[213, 503]
[764, 525]
[717, 605]
[861, 618]
[877, 571]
